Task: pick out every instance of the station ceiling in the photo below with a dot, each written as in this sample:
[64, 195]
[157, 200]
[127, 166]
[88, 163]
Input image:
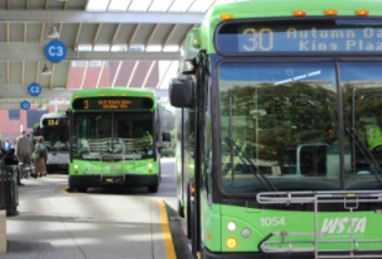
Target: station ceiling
[104, 38]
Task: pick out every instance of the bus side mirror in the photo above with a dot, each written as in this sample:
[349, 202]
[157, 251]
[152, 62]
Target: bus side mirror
[166, 137]
[182, 93]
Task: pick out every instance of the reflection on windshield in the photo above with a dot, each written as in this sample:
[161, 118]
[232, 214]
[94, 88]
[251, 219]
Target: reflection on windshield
[282, 118]
[362, 84]
[56, 137]
[114, 136]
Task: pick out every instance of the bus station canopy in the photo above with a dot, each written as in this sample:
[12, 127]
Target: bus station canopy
[115, 43]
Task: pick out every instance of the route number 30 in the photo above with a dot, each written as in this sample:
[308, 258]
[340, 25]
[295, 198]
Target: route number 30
[258, 39]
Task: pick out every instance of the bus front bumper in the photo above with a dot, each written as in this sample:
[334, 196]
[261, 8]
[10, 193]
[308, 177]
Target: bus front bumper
[206, 254]
[113, 180]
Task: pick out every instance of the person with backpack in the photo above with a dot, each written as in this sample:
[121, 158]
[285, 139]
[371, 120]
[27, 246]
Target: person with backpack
[40, 155]
[24, 152]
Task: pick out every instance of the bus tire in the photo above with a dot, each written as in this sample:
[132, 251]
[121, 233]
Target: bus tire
[194, 231]
[180, 209]
[153, 188]
[71, 189]
[82, 189]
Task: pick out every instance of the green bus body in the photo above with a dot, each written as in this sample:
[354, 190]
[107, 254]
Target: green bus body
[120, 141]
[272, 159]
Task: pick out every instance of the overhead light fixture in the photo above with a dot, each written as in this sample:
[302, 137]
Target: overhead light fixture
[53, 33]
[46, 70]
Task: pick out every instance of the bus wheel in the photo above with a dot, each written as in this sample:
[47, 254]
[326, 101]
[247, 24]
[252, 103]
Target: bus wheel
[153, 188]
[82, 189]
[194, 230]
[189, 229]
[71, 189]
[180, 209]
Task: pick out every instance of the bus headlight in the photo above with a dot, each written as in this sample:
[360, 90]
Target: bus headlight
[75, 169]
[150, 167]
[231, 243]
[231, 226]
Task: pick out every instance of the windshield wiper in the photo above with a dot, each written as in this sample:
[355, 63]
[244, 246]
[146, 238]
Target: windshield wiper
[375, 169]
[260, 176]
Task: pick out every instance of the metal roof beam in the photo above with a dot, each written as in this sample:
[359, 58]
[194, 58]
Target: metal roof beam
[52, 76]
[133, 35]
[64, 16]
[99, 28]
[115, 35]
[124, 56]
[78, 34]
[19, 51]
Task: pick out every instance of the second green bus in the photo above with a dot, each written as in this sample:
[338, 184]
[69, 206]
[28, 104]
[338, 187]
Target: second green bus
[114, 139]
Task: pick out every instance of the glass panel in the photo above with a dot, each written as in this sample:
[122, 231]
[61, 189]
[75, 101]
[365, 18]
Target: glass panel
[278, 125]
[92, 132]
[135, 134]
[56, 134]
[362, 95]
[118, 136]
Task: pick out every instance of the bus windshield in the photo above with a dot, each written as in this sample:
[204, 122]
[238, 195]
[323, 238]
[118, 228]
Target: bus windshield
[56, 136]
[113, 136]
[280, 127]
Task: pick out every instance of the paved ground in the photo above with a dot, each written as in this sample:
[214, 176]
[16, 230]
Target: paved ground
[100, 224]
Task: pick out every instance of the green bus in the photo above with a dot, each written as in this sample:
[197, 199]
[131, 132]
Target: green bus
[113, 139]
[279, 142]
[54, 127]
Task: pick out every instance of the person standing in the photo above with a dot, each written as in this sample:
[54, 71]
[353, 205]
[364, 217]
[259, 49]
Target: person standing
[7, 145]
[40, 154]
[23, 148]
[24, 155]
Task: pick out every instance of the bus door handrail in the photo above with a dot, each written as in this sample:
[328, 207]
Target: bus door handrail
[350, 200]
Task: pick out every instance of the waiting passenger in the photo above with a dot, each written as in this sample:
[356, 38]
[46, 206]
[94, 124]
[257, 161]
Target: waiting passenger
[40, 154]
[7, 145]
[24, 148]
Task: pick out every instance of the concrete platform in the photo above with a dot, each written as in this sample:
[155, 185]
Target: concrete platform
[3, 231]
[100, 224]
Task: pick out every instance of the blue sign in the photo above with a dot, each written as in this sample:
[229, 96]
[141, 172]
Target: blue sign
[25, 105]
[34, 89]
[55, 51]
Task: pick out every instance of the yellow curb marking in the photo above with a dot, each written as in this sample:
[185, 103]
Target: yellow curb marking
[64, 190]
[170, 250]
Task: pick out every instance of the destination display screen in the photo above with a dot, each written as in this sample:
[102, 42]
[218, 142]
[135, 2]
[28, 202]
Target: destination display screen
[113, 103]
[52, 122]
[307, 37]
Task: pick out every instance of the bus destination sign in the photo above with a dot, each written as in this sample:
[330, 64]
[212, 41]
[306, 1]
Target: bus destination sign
[255, 38]
[112, 103]
[51, 122]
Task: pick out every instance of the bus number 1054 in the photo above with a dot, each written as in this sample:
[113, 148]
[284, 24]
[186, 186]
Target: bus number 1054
[272, 221]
